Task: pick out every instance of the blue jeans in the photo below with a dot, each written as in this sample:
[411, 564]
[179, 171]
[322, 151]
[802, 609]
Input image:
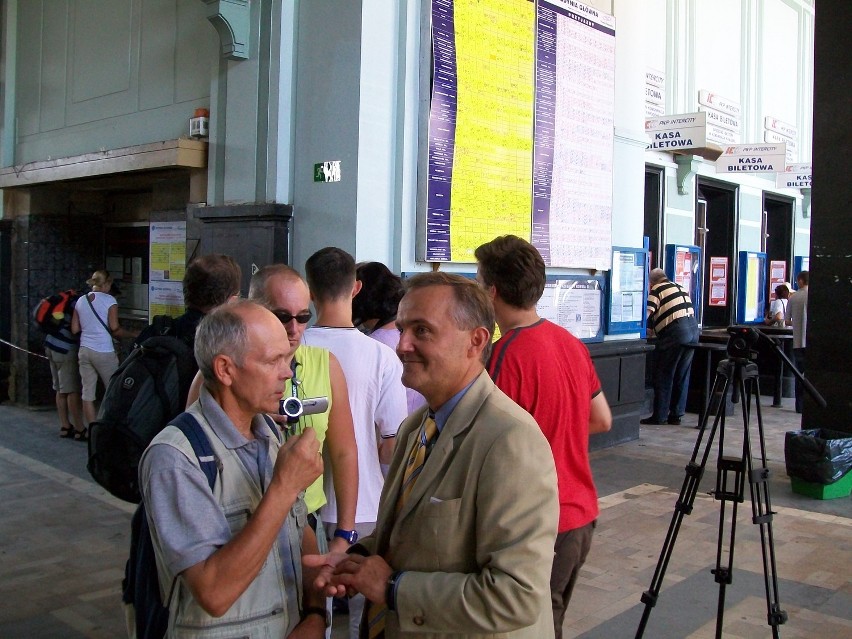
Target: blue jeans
[671, 373]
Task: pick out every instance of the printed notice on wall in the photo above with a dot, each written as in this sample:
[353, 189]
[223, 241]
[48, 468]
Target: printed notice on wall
[777, 276]
[718, 281]
[167, 264]
[165, 298]
[628, 287]
[574, 305]
[683, 268]
[521, 129]
[168, 251]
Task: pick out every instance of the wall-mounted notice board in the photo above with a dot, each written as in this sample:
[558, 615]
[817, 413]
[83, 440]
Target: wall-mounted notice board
[576, 303]
[751, 287]
[628, 291]
[683, 266]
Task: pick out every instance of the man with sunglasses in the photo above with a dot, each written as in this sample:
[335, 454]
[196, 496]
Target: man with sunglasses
[376, 394]
[316, 373]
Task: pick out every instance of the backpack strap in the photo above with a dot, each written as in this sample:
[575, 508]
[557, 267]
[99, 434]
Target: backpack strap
[189, 426]
[276, 430]
[95, 313]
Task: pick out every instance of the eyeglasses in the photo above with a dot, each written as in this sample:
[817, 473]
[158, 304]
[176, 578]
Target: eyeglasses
[285, 318]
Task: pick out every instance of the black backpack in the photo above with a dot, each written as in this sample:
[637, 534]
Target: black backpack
[140, 587]
[142, 396]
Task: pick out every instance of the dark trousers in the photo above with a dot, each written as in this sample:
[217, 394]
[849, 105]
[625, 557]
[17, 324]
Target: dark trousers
[799, 363]
[671, 370]
[571, 549]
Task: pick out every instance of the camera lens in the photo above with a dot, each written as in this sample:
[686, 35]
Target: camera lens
[291, 407]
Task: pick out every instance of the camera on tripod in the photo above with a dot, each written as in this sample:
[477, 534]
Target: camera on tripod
[741, 341]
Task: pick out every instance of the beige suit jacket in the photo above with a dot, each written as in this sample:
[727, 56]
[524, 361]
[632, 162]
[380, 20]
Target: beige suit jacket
[476, 536]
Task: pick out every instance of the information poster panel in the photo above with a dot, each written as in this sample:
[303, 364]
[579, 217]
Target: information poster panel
[167, 265]
[628, 285]
[520, 136]
[165, 298]
[575, 98]
[718, 281]
[683, 266]
[576, 304]
[751, 287]
[777, 276]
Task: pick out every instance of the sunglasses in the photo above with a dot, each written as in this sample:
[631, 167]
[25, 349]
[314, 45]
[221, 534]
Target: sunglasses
[285, 318]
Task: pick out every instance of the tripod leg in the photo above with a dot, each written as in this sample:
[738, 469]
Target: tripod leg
[688, 491]
[761, 509]
[730, 487]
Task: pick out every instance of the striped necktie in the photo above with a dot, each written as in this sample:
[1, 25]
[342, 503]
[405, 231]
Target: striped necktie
[375, 613]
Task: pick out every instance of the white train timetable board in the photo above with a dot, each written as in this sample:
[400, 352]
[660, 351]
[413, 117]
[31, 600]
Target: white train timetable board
[521, 129]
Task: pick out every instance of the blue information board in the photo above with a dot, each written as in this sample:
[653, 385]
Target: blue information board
[751, 287]
[683, 266]
[628, 291]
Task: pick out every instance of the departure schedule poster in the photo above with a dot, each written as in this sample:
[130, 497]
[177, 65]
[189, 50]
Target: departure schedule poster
[521, 129]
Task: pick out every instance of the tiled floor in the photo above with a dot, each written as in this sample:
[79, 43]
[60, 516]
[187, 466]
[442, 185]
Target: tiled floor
[63, 543]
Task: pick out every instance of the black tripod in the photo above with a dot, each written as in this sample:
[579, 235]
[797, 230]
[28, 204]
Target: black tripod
[739, 374]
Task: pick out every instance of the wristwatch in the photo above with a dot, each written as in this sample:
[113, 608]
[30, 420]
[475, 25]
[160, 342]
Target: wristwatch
[317, 610]
[351, 536]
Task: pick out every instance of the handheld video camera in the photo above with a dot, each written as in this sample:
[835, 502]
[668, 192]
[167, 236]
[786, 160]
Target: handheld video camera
[293, 407]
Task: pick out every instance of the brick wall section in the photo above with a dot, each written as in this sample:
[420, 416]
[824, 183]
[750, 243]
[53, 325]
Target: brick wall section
[49, 253]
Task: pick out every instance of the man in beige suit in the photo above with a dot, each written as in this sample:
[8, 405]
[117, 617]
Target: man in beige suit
[464, 541]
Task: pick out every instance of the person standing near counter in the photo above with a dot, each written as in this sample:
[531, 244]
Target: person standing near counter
[671, 315]
[778, 307]
[96, 320]
[797, 317]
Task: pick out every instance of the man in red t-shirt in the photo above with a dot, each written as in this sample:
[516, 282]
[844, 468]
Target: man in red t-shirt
[549, 373]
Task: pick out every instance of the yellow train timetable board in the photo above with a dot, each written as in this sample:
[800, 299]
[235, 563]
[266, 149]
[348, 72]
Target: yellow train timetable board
[521, 129]
[481, 124]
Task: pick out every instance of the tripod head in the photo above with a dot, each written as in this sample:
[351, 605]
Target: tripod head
[740, 347]
[741, 341]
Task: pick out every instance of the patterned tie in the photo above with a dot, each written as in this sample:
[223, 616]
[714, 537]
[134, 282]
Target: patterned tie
[375, 614]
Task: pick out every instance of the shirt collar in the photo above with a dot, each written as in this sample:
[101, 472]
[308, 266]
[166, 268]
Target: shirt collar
[443, 413]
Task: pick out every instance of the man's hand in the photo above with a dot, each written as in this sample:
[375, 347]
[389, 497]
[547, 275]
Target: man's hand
[323, 567]
[299, 462]
[351, 574]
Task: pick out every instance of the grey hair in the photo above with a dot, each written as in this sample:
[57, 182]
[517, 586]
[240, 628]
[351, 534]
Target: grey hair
[258, 285]
[221, 332]
[657, 275]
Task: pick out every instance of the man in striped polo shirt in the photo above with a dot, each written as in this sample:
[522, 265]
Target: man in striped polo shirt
[672, 317]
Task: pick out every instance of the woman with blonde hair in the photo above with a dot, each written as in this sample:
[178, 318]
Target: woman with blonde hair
[96, 320]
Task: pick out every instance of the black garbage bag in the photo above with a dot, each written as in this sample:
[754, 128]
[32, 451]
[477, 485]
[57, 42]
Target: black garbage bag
[818, 455]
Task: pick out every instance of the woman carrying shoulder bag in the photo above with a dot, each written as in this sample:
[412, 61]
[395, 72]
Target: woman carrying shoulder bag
[778, 307]
[96, 320]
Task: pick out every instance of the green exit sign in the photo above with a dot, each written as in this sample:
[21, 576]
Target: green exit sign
[327, 171]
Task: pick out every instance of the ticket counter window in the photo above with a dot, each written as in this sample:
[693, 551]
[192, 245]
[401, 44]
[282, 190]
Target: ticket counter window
[126, 258]
[716, 236]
